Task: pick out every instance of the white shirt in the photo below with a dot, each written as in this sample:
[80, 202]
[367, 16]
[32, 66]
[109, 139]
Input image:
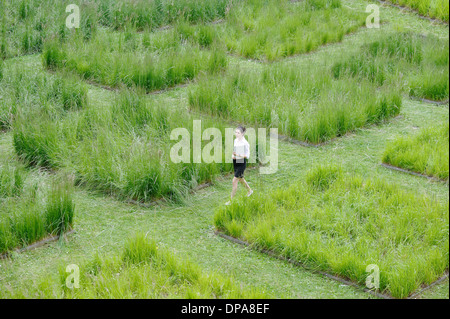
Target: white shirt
[241, 147]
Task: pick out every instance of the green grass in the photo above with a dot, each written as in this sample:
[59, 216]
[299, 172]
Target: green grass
[24, 92]
[291, 28]
[30, 211]
[143, 270]
[305, 103]
[103, 224]
[342, 224]
[125, 59]
[322, 177]
[25, 25]
[265, 30]
[416, 63]
[149, 15]
[271, 30]
[60, 209]
[120, 146]
[11, 181]
[425, 152]
[431, 8]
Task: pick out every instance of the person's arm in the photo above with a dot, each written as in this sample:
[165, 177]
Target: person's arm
[247, 150]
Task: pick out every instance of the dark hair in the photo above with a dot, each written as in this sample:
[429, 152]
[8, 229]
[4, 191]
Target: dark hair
[241, 128]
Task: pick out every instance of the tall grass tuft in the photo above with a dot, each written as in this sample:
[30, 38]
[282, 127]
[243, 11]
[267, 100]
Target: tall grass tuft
[29, 211]
[60, 209]
[36, 142]
[322, 177]
[139, 250]
[11, 181]
[52, 56]
[1, 70]
[425, 152]
[69, 92]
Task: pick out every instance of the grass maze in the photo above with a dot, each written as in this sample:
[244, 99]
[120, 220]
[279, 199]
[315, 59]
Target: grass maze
[119, 148]
[86, 118]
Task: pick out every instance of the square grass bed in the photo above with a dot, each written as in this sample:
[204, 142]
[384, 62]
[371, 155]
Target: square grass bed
[142, 270]
[30, 211]
[425, 153]
[340, 224]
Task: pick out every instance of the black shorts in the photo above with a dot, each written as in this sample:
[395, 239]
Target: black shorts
[239, 167]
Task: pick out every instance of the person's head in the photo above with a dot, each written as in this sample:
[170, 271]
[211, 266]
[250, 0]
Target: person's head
[240, 131]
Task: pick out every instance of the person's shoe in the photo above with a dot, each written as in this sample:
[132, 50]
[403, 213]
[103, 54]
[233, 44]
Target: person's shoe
[250, 194]
[228, 203]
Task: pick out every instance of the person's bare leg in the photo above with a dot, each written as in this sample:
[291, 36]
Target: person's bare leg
[244, 182]
[235, 185]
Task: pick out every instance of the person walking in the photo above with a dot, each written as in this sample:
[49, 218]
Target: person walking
[241, 154]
